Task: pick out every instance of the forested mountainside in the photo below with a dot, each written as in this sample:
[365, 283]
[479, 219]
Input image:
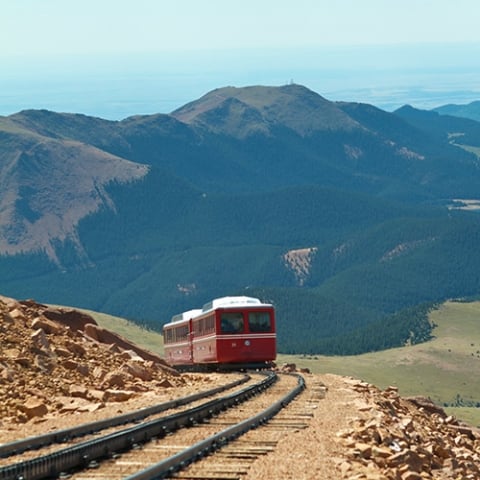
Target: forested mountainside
[455, 130]
[346, 217]
[471, 110]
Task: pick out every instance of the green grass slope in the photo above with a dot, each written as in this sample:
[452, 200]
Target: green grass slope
[143, 337]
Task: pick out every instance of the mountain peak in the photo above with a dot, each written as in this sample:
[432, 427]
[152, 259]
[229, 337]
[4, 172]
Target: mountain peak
[290, 106]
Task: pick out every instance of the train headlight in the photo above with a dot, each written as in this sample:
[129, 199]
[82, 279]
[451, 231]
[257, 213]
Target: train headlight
[247, 343]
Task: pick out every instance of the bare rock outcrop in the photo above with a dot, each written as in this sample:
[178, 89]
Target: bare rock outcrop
[56, 360]
[395, 438]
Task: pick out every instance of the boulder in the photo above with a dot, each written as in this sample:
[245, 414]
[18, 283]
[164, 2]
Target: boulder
[70, 317]
[427, 405]
[137, 370]
[33, 408]
[289, 367]
[48, 326]
[94, 394]
[75, 348]
[165, 383]
[78, 391]
[16, 314]
[118, 395]
[114, 379]
[40, 340]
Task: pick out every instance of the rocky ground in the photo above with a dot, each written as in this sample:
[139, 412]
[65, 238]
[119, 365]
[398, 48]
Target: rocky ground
[58, 367]
[58, 363]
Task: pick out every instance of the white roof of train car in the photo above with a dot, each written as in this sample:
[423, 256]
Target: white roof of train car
[186, 315]
[232, 302]
[223, 302]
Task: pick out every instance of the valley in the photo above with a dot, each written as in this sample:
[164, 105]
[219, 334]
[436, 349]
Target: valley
[337, 212]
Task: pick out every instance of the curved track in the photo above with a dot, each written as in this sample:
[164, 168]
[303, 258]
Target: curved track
[223, 431]
[138, 438]
[65, 435]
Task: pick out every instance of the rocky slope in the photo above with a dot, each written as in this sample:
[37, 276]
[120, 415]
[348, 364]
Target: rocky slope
[407, 438]
[60, 362]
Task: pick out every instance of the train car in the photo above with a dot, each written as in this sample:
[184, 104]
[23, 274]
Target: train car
[236, 331]
[177, 338]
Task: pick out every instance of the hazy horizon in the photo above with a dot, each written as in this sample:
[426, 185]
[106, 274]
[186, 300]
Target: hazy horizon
[116, 58]
[116, 86]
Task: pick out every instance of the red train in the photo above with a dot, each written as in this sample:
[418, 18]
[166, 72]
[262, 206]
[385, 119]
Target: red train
[228, 331]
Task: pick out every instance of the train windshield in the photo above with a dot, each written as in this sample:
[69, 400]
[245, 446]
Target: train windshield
[232, 322]
[259, 322]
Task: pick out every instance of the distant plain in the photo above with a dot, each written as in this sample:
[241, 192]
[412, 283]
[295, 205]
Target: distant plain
[118, 86]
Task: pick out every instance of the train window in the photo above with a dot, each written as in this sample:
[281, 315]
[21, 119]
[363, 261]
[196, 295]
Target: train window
[181, 333]
[259, 322]
[168, 336]
[232, 322]
[198, 327]
[204, 326]
[210, 324]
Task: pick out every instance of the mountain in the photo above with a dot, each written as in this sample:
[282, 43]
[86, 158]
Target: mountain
[340, 213]
[471, 110]
[48, 185]
[242, 112]
[445, 128]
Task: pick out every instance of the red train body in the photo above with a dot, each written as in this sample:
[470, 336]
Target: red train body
[227, 331]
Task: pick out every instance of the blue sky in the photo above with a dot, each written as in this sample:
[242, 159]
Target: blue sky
[48, 27]
[115, 58]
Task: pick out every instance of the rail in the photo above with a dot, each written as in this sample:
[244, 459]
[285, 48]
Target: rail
[64, 435]
[86, 453]
[177, 462]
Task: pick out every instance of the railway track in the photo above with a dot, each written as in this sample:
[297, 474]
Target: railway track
[16, 448]
[159, 448]
[243, 457]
